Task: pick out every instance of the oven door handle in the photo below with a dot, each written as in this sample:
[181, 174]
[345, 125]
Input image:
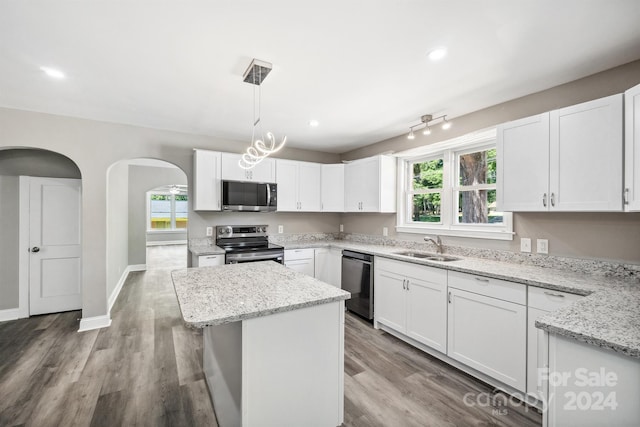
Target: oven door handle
[231, 259]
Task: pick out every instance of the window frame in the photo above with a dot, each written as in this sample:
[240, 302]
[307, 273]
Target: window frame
[173, 228]
[448, 226]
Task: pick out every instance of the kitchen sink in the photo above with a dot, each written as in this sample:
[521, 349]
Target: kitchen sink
[428, 256]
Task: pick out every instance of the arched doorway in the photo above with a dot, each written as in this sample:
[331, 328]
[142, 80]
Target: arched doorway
[130, 230]
[40, 237]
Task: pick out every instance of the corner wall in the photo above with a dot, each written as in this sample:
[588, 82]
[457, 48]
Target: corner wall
[9, 241]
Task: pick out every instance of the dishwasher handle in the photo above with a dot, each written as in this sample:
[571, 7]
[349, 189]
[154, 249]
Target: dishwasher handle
[358, 256]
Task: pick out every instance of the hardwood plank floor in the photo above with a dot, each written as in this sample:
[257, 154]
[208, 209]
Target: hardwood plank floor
[146, 369]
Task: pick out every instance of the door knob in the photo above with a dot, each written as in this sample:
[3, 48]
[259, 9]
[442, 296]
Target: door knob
[35, 249]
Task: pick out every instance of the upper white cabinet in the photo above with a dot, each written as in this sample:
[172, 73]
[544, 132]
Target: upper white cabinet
[332, 188]
[412, 299]
[206, 180]
[370, 185]
[566, 160]
[298, 186]
[632, 149]
[265, 171]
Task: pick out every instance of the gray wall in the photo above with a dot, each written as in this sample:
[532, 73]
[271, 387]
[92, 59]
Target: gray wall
[9, 240]
[613, 236]
[141, 180]
[117, 223]
[29, 162]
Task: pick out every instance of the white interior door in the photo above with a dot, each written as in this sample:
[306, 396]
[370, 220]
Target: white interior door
[54, 244]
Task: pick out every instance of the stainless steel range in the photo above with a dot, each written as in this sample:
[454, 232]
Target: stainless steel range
[247, 243]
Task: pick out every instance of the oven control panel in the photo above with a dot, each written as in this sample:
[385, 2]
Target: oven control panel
[226, 231]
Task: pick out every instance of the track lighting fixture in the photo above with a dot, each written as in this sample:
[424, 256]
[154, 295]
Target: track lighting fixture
[426, 119]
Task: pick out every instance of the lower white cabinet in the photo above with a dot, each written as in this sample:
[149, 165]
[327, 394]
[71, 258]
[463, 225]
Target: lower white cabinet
[207, 260]
[301, 260]
[328, 266]
[412, 299]
[488, 334]
[540, 302]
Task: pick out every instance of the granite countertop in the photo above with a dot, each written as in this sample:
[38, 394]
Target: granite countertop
[608, 316]
[205, 249]
[233, 292]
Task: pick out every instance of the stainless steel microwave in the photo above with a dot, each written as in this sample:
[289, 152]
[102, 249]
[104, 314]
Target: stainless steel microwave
[242, 196]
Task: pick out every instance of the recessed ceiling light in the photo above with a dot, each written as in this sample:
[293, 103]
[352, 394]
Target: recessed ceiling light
[437, 53]
[52, 72]
[314, 123]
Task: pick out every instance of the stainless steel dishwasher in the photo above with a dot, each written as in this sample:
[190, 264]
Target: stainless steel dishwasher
[357, 278]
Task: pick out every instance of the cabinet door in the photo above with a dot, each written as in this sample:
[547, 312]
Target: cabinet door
[586, 156]
[427, 311]
[390, 299]
[206, 180]
[535, 339]
[287, 180]
[265, 171]
[328, 266]
[332, 188]
[523, 165]
[308, 187]
[488, 335]
[632, 149]
[231, 170]
[369, 171]
[353, 186]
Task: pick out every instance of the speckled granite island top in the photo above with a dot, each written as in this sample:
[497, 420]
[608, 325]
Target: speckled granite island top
[233, 292]
[608, 316]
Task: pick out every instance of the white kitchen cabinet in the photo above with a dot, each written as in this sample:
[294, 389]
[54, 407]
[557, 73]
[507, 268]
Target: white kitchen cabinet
[571, 145]
[206, 180]
[265, 171]
[298, 186]
[328, 266]
[332, 188]
[486, 333]
[370, 185]
[207, 260]
[632, 149]
[301, 260]
[540, 302]
[523, 159]
[412, 299]
[591, 386]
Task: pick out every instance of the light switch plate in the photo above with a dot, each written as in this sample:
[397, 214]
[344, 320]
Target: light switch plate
[543, 246]
[209, 231]
[385, 231]
[281, 229]
[341, 228]
[525, 244]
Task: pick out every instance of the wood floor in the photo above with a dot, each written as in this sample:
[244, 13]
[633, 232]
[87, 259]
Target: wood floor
[146, 369]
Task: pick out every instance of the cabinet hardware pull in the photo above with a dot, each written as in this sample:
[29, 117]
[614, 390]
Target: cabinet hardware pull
[544, 200]
[482, 279]
[553, 199]
[449, 297]
[404, 281]
[626, 196]
[551, 294]
[408, 284]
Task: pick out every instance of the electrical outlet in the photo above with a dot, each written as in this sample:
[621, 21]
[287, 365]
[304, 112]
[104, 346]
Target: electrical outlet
[341, 228]
[525, 244]
[543, 246]
[281, 229]
[209, 231]
[385, 231]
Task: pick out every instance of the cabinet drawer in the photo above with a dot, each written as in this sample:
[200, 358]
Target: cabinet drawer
[209, 260]
[408, 269]
[496, 288]
[550, 300]
[293, 254]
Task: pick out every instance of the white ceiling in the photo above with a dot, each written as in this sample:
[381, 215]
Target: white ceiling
[357, 66]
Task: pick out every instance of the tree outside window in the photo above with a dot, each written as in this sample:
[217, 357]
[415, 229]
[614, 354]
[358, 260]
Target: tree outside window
[477, 188]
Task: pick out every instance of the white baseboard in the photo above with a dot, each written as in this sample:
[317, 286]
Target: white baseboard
[96, 322]
[167, 242]
[9, 314]
[116, 291]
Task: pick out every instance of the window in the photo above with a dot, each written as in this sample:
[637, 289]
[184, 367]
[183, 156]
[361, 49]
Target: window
[167, 211]
[450, 189]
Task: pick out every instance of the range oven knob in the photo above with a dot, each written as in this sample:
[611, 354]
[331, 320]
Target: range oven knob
[226, 230]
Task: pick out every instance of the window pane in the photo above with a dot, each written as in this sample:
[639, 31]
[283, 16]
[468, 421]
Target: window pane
[427, 175]
[478, 168]
[478, 207]
[160, 212]
[426, 207]
[182, 211]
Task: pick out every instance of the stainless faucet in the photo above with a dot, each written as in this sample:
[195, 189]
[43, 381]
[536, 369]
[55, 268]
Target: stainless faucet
[437, 242]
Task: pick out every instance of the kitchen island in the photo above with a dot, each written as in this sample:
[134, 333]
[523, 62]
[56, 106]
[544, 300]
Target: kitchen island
[273, 343]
